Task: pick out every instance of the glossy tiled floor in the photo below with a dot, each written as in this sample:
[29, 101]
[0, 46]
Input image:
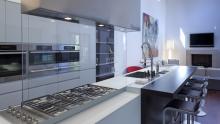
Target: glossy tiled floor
[212, 108]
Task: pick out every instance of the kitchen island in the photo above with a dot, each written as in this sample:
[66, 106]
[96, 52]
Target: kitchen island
[155, 96]
[126, 107]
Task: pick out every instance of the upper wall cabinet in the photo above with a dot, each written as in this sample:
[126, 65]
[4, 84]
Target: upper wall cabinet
[13, 22]
[67, 32]
[2, 20]
[42, 30]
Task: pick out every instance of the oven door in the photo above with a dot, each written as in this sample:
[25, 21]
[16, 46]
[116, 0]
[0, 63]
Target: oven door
[42, 63]
[11, 65]
[68, 61]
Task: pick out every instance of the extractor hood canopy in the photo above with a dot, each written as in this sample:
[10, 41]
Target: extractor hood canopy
[120, 13]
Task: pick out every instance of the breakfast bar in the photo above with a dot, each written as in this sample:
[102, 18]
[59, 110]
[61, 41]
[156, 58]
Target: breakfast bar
[155, 96]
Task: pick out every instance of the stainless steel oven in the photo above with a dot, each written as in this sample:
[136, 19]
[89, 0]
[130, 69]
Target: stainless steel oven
[43, 60]
[13, 58]
[50, 59]
[68, 58]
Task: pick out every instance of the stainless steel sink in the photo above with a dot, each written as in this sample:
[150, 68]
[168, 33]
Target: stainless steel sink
[145, 74]
[139, 75]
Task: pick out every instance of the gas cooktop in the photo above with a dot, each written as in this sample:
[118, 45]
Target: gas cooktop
[56, 104]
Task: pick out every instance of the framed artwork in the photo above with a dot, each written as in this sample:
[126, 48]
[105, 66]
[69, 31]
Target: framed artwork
[150, 32]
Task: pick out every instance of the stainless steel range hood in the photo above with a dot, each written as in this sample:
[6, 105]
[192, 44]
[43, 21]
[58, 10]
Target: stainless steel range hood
[120, 13]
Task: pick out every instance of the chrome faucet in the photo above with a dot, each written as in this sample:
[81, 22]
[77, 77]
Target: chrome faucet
[150, 55]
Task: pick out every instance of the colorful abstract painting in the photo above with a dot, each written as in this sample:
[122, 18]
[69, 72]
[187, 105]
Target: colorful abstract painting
[150, 32]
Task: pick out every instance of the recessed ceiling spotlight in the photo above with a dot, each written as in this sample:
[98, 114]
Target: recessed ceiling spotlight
[101, 25]
[68, 18]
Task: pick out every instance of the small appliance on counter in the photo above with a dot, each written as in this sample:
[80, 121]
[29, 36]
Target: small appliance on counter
[51, 109]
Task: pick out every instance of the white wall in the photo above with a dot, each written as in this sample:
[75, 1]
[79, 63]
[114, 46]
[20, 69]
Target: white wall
[155, 8]
[192, 16]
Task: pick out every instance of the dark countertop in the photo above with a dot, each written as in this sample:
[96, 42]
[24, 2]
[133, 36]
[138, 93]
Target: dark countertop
[172, 82]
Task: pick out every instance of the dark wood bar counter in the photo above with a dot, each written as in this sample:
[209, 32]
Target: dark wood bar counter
[155, 96]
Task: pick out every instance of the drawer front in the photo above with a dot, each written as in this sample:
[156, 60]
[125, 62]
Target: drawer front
[40, 81]
[10, 99]
[62, 86]
[10, 87]
[69, 76]
[42, 91]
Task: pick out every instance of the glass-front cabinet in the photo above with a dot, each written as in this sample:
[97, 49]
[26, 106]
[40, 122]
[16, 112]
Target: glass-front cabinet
[104, 52]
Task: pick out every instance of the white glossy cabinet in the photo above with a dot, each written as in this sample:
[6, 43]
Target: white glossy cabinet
[2, 20]
[87, 47]
[67, 32]
[88, 76]
[42, 30]
[13, 22]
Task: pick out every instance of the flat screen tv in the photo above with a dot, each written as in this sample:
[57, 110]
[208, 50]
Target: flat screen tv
[202, 40]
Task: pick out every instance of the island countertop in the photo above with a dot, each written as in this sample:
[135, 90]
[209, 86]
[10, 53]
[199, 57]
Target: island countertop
[172, 82]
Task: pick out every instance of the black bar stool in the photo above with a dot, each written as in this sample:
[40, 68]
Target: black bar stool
[179, 109]
[188, 94]
[199, 83]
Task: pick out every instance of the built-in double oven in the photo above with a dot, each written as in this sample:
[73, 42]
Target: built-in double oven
[22, 60]
[49, 59]
[13, 61]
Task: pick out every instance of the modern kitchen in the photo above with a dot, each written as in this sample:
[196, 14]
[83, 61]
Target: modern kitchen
[109, 62]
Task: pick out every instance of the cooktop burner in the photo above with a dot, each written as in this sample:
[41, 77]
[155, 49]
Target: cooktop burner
[61, 102]
[93, 91]
[48, 105]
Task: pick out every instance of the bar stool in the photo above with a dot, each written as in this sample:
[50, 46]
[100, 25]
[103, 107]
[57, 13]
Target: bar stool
[190, 94]
[181, 108]
[199, 83]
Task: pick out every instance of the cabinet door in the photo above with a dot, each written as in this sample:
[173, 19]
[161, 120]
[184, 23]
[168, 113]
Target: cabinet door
[13, 22]
[67, 33]
[2, 20]
[88, 76]
[87, 46]
[42, 30]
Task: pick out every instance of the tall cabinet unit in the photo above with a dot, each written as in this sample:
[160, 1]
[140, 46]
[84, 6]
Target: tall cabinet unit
[10, 31]
[87, 53]
[104, 52]
[68, 34]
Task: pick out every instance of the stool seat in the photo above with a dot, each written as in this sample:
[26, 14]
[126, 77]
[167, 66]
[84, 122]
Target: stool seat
[189, 107]
[196, 94]
[199, 79]
[195, 86]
